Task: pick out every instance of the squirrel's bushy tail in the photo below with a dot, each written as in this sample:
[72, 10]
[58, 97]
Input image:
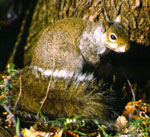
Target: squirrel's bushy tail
[69, 95]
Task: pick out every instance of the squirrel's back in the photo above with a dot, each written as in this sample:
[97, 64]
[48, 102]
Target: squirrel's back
[72, 42]
[57, 45]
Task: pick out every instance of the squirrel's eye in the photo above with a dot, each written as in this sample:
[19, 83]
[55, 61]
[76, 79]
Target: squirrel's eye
[112, 37]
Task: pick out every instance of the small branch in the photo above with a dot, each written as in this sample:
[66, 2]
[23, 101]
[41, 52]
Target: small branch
[47, 92]
[10, 113]
[20, 81]
[12, 118]
[132, 91]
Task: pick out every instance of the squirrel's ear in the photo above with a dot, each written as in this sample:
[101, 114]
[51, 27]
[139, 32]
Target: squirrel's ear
[118, 19]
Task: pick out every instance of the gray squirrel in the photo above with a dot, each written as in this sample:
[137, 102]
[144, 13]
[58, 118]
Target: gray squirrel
[59, 56]
[72, 42]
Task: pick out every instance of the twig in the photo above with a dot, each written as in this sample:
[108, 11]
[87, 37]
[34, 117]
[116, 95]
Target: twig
[12, 118]
[47, 91]
[20, 82]
[132, 91]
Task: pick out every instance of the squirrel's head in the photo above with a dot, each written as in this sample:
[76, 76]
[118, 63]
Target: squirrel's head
[117, 37]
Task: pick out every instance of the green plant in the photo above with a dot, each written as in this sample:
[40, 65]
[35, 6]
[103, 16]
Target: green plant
[18, 127]
[11, 69]
[5, 85]
[142, 126]
[70, 124]
[101, 128]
